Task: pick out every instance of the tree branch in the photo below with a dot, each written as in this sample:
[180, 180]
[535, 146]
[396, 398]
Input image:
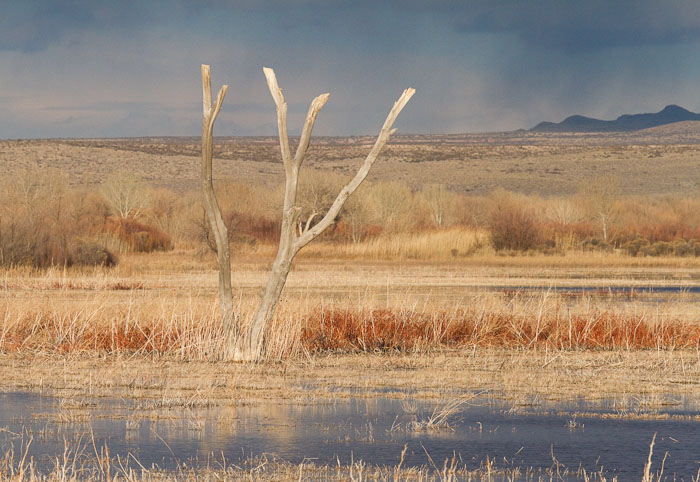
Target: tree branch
[214, 113]
[315, 107]
[308, 222]
[211, 206]
[337, 205]
[281, 116]
[206, 90]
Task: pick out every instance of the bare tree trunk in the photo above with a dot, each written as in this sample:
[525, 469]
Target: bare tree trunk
[250, 346]
[604, 222]
[216, 222]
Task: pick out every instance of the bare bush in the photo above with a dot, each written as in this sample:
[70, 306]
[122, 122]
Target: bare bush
[317, 191]
[563, 211]
[440, 203]
[164, 212]
[472, 211]
[43, 222]
[356, 215]
[513, 227]
[91, 253]
[392, 206]
[126, 193]
[600, 194]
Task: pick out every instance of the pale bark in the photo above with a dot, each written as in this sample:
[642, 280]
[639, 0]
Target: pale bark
[211, 206]
[295, 234]
[291, 241]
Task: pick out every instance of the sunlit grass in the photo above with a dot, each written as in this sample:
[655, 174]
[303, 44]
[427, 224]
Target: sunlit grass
[445, 244]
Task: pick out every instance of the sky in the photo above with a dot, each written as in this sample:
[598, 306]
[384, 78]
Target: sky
[130, 68]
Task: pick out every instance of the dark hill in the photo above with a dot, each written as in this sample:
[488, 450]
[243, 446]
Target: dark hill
[627, 122]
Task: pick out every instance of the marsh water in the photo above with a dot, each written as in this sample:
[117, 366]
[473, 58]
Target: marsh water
[612, 436]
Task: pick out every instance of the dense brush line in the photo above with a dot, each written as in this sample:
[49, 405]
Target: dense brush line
[45, 221]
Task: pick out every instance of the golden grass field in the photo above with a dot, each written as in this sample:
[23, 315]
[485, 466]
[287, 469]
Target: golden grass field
[149, 328]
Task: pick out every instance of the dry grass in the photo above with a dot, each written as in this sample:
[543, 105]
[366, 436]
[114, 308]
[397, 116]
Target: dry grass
[410, 331]
[135, 320]
[443, 245]
[162, 305]
[520, 376]
[149, 328]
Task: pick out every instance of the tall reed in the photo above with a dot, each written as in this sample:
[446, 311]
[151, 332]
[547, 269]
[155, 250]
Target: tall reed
[188, 328]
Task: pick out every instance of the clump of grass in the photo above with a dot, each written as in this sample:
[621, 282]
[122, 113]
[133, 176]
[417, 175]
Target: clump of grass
[441, 418]
[101, 328]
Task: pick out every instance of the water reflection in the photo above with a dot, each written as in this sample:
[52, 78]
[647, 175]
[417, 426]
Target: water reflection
[533, 434]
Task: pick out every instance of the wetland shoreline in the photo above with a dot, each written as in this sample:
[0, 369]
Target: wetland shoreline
[502, 373]
[48, 347]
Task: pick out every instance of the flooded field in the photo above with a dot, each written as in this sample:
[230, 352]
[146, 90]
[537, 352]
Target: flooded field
[529, 369]
[610, 437]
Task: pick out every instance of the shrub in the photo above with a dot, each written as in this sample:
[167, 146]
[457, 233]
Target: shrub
[512, 227]
[594, 243]
[137, 237]
[90, 253]
[247, 228]
[682, 248]
[661, 248]
[634, 246]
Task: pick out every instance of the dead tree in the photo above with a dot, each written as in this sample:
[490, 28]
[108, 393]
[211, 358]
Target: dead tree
[211, 206]
[248, 345]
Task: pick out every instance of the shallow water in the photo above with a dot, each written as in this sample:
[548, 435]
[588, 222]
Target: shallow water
[373, 430]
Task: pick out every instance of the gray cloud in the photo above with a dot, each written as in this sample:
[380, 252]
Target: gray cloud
[579, 26]
[98, 68]
[31, 25]
[564, 25]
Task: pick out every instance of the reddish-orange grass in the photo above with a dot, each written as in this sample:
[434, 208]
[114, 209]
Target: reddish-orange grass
[357, 330]
[406, 330]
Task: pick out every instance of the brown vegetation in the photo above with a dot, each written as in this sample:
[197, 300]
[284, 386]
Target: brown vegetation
[137, 237]
[44, 221]
[143, 321]
[151, 327]
[325, 330]
[409, 331]
[629, 193]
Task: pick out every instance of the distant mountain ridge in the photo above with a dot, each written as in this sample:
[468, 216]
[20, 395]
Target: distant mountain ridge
[627, 122]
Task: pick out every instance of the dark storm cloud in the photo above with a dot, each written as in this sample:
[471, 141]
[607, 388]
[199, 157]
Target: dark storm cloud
[31, 25]
[585, 25]
[131, 67]
[565, 25]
